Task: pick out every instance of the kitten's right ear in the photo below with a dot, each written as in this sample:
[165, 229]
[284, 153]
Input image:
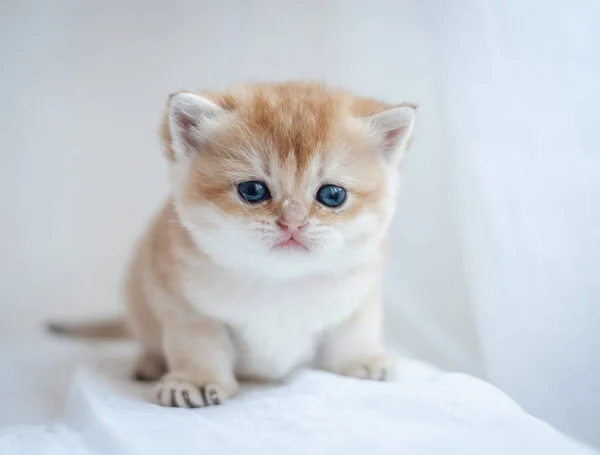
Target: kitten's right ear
[190, 118]
[394, 129]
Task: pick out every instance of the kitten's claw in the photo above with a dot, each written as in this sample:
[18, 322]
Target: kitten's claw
[376, 368]
[182, 392]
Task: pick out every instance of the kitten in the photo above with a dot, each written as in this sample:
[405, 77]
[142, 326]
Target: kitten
[268, 255]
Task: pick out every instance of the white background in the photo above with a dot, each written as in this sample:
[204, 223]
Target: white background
[495, 259]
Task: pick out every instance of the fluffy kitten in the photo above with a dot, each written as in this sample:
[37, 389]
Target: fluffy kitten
[268, 255]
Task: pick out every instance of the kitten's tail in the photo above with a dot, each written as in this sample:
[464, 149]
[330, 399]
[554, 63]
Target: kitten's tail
[110, 329]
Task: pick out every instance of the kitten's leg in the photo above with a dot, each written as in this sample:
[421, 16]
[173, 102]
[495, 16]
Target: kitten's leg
[355, 348]
[200, 357]
[149, 367]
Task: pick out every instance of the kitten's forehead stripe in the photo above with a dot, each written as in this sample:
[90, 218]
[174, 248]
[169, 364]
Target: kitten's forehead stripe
[295, 119]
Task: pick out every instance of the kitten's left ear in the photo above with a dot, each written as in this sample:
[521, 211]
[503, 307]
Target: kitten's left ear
[190, 119]
[394, 129]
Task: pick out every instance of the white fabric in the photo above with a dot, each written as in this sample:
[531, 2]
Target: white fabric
[521, 90]
[495, 250]
[423, 412]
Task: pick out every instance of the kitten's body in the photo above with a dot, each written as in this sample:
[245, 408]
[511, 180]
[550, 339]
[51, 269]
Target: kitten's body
[275, 325]
[268, 254]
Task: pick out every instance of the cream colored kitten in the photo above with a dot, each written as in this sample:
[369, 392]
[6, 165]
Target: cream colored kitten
[268, 255]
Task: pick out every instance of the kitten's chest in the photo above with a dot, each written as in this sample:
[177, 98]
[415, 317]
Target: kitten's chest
[276, 326]
[274, 344]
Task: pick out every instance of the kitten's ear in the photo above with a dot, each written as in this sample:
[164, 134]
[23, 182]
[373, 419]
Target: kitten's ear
[190, 118]
[394, 129]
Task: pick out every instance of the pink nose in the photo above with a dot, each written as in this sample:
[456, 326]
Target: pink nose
[291, 226]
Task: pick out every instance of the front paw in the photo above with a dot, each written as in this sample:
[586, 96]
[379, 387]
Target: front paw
[375, 368]
[180, 391]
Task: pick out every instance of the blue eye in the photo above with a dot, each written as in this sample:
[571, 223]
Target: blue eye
[331, 195]
[254, 192]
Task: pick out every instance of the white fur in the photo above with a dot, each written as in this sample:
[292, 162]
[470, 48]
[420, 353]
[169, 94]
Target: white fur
[275, 324]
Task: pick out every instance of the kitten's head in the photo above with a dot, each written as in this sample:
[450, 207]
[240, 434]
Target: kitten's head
[285, 180]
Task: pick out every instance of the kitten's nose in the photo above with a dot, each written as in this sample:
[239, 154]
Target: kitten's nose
[291, 226]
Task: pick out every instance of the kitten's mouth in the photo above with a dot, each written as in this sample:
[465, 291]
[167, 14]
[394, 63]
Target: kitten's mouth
[290, 244]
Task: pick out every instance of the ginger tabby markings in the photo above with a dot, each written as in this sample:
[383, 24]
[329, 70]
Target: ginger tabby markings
[268, 255]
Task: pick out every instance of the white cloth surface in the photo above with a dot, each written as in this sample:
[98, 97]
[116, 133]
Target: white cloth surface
[423, 412]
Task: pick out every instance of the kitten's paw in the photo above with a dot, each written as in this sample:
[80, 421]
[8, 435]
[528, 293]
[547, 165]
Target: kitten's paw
[180, 391]
[376, 368]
